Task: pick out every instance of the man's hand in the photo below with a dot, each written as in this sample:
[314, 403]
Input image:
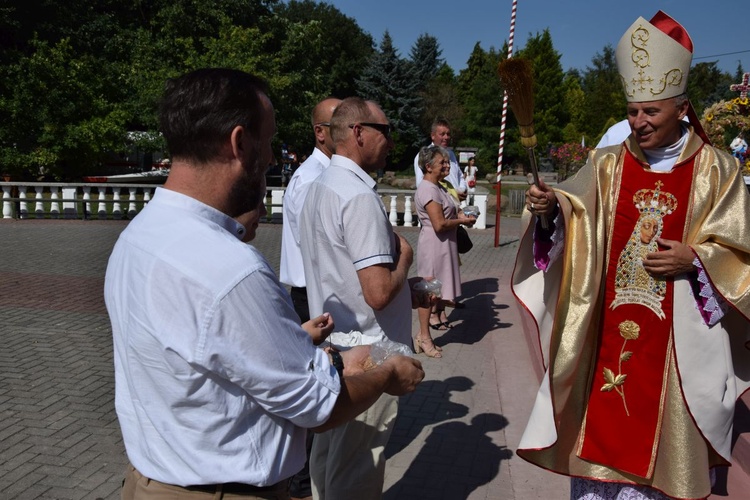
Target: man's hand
[406, 374]
[541, 199]
[319, 328]
[356, 360]
[676, 259]
[462, 195]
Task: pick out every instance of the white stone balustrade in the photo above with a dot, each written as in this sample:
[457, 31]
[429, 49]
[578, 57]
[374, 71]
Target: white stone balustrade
[106, 201]
[76, 201]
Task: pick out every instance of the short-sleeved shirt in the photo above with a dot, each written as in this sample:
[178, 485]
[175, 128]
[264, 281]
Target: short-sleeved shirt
[344, 228]
[215, 381]
[291, 271]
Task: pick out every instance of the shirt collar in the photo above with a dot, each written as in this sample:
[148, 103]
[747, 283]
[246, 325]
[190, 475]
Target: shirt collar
[321, 157]
[184, 202]
[346, 163]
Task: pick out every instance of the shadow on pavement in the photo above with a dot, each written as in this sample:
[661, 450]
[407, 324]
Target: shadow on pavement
[479, 316]
[456, 459]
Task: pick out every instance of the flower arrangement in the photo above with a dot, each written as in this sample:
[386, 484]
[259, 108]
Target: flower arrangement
[569, 157]
[724, 120]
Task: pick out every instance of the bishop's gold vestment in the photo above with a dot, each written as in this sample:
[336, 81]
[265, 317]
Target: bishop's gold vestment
[706, 368]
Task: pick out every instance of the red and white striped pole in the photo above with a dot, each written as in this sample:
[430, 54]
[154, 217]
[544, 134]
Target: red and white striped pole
[501, 146]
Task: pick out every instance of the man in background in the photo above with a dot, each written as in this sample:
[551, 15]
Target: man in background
[440, 133]
[292, 273]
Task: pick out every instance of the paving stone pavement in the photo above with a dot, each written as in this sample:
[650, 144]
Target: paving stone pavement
[59, 437]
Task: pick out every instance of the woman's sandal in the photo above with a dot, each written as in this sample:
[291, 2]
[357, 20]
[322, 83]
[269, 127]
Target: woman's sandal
[431, 351]
[440, 326]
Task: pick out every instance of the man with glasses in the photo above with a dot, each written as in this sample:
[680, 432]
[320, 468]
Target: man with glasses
[440, 133]
[292, 272]
[356, 268]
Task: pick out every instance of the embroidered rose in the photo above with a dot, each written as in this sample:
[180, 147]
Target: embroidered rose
[629, 330]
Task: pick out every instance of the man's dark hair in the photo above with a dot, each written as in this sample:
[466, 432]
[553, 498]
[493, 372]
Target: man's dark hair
[199, 110]
[439, 122]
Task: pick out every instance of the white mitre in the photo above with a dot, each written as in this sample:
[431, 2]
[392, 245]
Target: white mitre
[653, 59]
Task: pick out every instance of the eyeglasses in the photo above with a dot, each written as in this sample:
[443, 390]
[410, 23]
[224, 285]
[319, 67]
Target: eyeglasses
[323, 124]
[383, 128]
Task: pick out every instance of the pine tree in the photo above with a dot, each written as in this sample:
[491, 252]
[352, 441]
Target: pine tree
[605, 101]
[482, 96]
[425, 60]
[387, 80]
[550, 114]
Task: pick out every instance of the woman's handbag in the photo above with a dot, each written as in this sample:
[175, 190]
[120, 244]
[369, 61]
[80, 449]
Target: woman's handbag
[463, 240]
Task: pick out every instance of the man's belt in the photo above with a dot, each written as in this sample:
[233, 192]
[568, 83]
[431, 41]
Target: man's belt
[236, 488]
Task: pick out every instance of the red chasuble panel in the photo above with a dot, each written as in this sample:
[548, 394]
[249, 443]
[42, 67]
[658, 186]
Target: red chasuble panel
[623, 417]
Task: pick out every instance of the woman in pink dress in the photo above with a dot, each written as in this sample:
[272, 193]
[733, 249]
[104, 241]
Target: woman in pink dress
[437, 255]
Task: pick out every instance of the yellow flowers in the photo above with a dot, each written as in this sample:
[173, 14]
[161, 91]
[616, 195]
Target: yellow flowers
[724, 119]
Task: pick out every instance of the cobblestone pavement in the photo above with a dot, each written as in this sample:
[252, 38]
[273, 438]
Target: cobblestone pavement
[59, 436]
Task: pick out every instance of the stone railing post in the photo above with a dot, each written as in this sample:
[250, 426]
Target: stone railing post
[23, 205]
[132, 210]
[408, 218]
[116, 207]
[277, 201]
[39, 197]
[54, 208]
[7, 204]
[480, 201]
[70, 206]
[101, 208]
[393, 215]
[86, 201]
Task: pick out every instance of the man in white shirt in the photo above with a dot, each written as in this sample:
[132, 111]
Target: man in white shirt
[292, 273]
[440, 133]
[215, 380]
[356, 268]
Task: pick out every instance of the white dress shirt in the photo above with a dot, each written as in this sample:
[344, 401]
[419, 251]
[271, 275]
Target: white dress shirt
[292, 273]
[344, 228]
[215, 381]
[455, 177]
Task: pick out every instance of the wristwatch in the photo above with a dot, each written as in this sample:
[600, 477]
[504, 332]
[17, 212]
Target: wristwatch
[338, 362]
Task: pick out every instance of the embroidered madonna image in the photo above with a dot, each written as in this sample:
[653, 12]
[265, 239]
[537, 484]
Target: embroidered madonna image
[633, 285]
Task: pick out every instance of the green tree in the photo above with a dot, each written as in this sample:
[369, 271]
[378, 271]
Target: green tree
[707, 85]
[440, 98]
[57, 119]
[387, 81]
[605, 100]
[482, 96]
[342, 49]
[574, 101]
[550, 112]
[425, 60]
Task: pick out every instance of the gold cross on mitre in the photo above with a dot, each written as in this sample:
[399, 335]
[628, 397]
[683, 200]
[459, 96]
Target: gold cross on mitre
[743, 87]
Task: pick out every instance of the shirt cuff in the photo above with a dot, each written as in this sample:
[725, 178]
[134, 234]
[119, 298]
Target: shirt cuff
[548, 243]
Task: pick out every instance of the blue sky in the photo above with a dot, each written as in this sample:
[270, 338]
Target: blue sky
[579, 28]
